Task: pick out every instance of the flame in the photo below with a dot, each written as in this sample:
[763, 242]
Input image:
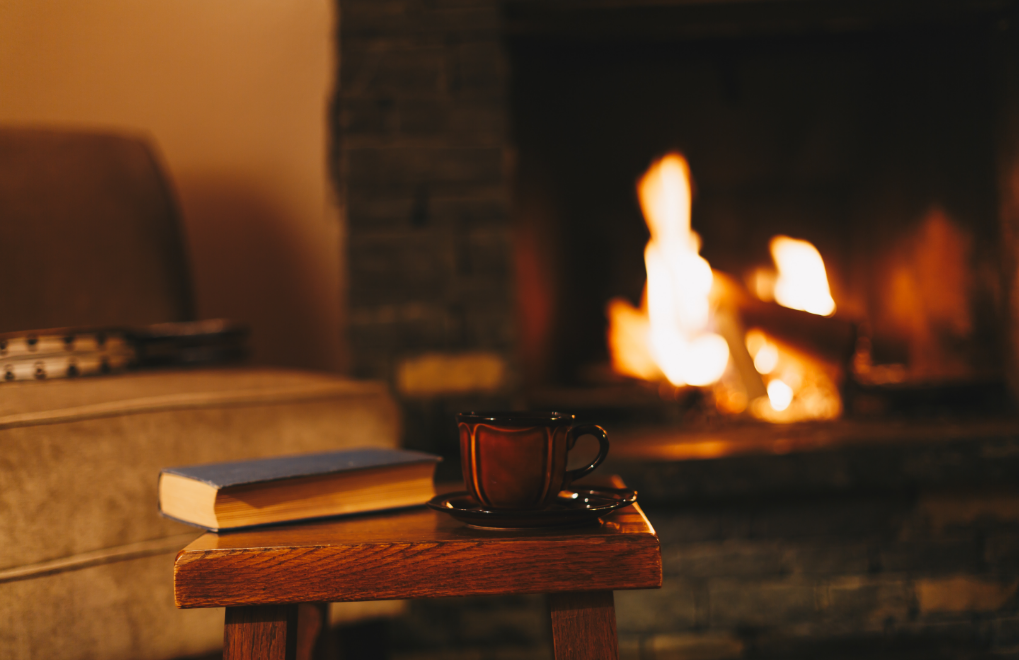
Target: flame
[766, 359]
[780, 395]
[799, 386]
[670, 331]
[762, 283]
[802, 282]
[629, 345]
[673, 335]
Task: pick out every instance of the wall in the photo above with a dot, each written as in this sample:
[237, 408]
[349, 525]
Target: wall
[423, 130]
[424, 164]
[235, 96]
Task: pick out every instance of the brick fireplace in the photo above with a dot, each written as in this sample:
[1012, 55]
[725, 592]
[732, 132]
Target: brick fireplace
[486, 154]
[423, 160]
[479, 225]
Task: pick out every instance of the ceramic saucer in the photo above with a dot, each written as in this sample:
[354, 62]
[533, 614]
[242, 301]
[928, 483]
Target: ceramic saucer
[570, 508]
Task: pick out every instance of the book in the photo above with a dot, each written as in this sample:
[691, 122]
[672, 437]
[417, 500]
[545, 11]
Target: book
[220, 496]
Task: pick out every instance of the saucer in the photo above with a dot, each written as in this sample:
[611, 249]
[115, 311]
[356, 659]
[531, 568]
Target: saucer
[569, 508]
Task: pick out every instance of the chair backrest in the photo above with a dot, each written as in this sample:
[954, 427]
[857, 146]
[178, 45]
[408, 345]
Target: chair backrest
[89, 233]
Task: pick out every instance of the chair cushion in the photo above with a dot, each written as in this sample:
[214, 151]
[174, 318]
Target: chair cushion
[79, 462]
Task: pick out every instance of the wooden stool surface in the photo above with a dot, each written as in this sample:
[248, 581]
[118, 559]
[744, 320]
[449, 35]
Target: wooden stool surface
[420, 553]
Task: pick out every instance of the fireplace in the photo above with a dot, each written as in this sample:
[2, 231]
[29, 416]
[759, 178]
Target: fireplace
[875, 138]
[489, 176]
[488, 155]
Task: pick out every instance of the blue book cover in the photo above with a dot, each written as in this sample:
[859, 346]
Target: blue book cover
[277, 468]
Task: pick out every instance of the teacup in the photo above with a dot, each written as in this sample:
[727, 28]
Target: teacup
[517, 460]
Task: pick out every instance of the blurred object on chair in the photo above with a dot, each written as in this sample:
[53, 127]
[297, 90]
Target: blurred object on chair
[73, 352]
[213, 341]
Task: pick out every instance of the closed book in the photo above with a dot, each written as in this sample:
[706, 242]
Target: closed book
[220, 496]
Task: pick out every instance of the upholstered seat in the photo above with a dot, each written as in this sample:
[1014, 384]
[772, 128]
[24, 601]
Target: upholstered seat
[86, 566]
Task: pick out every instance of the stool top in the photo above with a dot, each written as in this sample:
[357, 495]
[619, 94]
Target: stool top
[415, 553]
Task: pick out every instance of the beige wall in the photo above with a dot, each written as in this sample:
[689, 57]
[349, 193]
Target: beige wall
[234, 93]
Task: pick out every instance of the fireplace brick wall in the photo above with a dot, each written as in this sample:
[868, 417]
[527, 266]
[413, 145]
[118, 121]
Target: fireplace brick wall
[421, 161]
[931, 575]
[841, 567]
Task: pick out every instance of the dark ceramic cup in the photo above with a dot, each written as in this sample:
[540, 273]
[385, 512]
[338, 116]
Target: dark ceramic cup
[517, 460]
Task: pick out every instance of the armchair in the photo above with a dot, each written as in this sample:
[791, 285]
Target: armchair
[90, 237]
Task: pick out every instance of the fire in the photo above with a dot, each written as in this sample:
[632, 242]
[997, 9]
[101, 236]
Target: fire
[670, 333]
[780, 395]
[802, 282]
[799, 387]
[629, 340]
[688, 328]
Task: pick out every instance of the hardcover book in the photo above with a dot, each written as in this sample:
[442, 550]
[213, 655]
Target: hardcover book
[222, 496]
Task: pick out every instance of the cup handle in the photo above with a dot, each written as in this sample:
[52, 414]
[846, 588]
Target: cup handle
[603, 443]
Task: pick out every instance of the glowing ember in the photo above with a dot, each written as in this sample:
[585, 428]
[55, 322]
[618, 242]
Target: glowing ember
[766, 360]
[780, 395]
[762, 283]
[802, 281]
[799, 386]
[671, 328]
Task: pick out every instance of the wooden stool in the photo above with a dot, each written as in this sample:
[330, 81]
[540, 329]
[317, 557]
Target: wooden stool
[260, 576]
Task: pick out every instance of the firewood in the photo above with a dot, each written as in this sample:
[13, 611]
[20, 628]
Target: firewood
[829, 338]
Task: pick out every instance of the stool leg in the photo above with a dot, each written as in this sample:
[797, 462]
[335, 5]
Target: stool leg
[584, 625]
[313, 631]
[263, 632]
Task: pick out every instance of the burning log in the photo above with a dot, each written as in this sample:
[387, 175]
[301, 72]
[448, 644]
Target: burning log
[831, 339]
[731, 327]
[827, 338]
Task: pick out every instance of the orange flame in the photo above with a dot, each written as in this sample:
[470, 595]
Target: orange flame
[672, 335]
[799, 387]
[802, 282]
[669, 335]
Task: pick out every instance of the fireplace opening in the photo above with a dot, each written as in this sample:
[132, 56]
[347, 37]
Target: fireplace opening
[875, 140]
